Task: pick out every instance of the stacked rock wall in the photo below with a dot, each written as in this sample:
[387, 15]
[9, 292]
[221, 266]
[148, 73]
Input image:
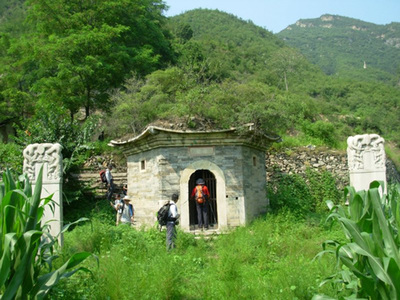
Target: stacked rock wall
[296, 161]
[290, 161]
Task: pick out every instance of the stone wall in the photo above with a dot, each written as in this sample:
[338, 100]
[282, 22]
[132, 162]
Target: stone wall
[90, 173]
[162, 171]
[91, 177]
[291, 161]
[296, 161]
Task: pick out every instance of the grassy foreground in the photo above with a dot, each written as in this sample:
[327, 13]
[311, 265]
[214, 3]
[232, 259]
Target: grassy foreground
[270, 259]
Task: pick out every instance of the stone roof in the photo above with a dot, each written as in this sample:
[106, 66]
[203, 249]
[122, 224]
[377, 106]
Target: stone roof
[158, 137]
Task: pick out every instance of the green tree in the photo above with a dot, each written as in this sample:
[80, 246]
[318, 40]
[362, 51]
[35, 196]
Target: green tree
[285, 62]
[85, 48]
[16, 77]
[142, 101]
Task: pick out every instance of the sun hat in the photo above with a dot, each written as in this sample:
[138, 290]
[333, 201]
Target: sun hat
[200, 181]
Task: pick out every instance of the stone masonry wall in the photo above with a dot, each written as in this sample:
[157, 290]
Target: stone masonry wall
[169, 163]
[296, 161]
[254, 184]
[291, 161]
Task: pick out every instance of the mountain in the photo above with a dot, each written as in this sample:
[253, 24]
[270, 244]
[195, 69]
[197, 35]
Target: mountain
[237, 45]
[351, 102]
[347, 47]
[239, 49]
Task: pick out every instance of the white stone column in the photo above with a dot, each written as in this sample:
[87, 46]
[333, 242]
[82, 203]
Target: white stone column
[49, 156]
[366, 160]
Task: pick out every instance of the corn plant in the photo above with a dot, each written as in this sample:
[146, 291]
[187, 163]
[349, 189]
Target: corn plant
[27, 251]
[369, 261]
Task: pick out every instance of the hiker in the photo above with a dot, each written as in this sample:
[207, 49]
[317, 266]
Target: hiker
[110, 182]
[117, 201]
[172, 221]
[125, 189]
[200, 194]
[126, 211]
[101, 136]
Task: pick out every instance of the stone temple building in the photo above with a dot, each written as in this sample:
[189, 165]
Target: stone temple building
[163, 161]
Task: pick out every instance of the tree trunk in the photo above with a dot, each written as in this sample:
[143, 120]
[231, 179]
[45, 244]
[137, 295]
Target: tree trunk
[87, 111]
[286, 83]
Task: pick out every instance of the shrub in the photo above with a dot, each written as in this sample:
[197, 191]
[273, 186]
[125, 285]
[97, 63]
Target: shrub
[324, 131]
[302, 194]
[322, 187]
[290, 192]
[11, 157]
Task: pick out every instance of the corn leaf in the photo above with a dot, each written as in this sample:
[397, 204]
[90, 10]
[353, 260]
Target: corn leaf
[48, 280]
[32, 221]
[26, 246]
[5, 262]
[390, 246]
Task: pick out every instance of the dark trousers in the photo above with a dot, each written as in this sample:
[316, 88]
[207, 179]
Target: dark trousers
[202, 214]
[171, 235]
[110, 190]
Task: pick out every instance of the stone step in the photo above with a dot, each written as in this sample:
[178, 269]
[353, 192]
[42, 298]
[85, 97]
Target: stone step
[93, 179]
[209, 233]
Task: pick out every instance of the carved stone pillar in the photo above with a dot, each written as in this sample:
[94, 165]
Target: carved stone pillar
[49, 156]
[366, 160]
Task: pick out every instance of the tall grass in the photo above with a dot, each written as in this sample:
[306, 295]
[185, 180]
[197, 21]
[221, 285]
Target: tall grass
[27, 251]
[269, 259]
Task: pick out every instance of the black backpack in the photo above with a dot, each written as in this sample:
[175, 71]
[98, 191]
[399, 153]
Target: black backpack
[162, 214]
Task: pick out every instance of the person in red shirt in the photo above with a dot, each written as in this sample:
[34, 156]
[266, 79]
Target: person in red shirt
[201, 195]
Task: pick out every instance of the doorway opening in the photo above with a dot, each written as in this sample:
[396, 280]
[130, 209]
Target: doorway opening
[211, 184]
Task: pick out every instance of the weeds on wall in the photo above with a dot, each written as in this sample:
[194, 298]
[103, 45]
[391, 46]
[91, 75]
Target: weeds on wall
[322, 187]
[302, 195]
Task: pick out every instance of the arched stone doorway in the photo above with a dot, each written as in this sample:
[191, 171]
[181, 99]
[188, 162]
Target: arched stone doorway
[210, 181]
[220, 192]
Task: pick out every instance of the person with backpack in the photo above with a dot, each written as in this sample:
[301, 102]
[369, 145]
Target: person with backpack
[172, 221]
[126, 211]
[110, 182]
[118, 201]
[201, 195]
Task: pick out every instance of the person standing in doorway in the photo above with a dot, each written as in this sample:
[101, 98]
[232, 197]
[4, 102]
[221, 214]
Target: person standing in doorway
[201, 195]
[110, 182]
[172, 221]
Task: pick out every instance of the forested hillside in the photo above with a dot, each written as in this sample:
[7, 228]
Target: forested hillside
[123, 66]
[348, 47]
[228, 72]
[12, 15]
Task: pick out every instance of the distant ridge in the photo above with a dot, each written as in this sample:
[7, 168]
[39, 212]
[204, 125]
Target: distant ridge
[346, 46]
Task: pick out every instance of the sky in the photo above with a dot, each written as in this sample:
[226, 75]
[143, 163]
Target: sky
[276, 15]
